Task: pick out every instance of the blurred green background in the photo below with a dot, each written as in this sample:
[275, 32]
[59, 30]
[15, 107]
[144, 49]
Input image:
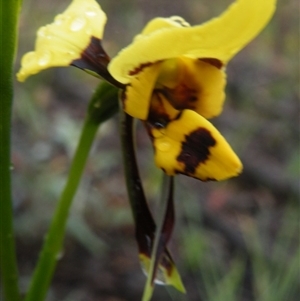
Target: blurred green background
[236, 240]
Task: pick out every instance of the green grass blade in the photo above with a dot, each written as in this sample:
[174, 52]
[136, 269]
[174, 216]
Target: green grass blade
[9, 12]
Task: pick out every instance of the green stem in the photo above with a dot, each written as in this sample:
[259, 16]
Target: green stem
[103, 105]
[54, 238]
[9, 11]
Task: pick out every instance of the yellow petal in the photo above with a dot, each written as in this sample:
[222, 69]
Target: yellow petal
[137, 95]
[191, 145]
[220, 38]
[159, 23]
[63, 41]
[193, 84]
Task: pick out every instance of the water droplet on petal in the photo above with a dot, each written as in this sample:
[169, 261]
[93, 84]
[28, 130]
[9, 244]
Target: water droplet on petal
[58, 19]
[71, 53]
[90, 12]
[44, 58]
[28, 58]
[77, 24]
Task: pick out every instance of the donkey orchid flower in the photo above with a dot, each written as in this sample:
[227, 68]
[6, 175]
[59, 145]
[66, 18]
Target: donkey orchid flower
[173, 76]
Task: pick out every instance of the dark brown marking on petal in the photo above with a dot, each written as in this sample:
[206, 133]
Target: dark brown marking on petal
[167, 263]
[139, 68]
[209, 180]
[158, 120]
[195, 149]
[157, 117]
[177, 172]
[181, 97]
[179, 115]
[95, 59]
[214, 62]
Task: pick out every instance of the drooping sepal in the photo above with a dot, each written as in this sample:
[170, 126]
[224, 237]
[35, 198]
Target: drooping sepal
[145, 227]
[158, 265]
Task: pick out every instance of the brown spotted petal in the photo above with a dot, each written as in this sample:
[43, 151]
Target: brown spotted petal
[191, 145]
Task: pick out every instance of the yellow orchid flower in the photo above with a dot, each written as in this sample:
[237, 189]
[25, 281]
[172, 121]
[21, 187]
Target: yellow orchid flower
[172, 67]
[172, 76]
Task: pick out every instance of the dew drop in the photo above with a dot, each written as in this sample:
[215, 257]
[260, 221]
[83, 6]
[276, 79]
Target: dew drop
[28, 58]
[91, 13]
[43, 32]
[44, 58]
[77, 24]
[71, 53]
[59, 255]
[58, 20]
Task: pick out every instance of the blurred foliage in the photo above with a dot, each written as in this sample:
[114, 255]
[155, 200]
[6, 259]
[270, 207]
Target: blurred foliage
[235, 240]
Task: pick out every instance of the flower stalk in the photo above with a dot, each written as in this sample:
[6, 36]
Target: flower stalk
[102, 106]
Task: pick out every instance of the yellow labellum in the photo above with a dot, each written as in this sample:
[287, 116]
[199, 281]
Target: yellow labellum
[191, 145]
